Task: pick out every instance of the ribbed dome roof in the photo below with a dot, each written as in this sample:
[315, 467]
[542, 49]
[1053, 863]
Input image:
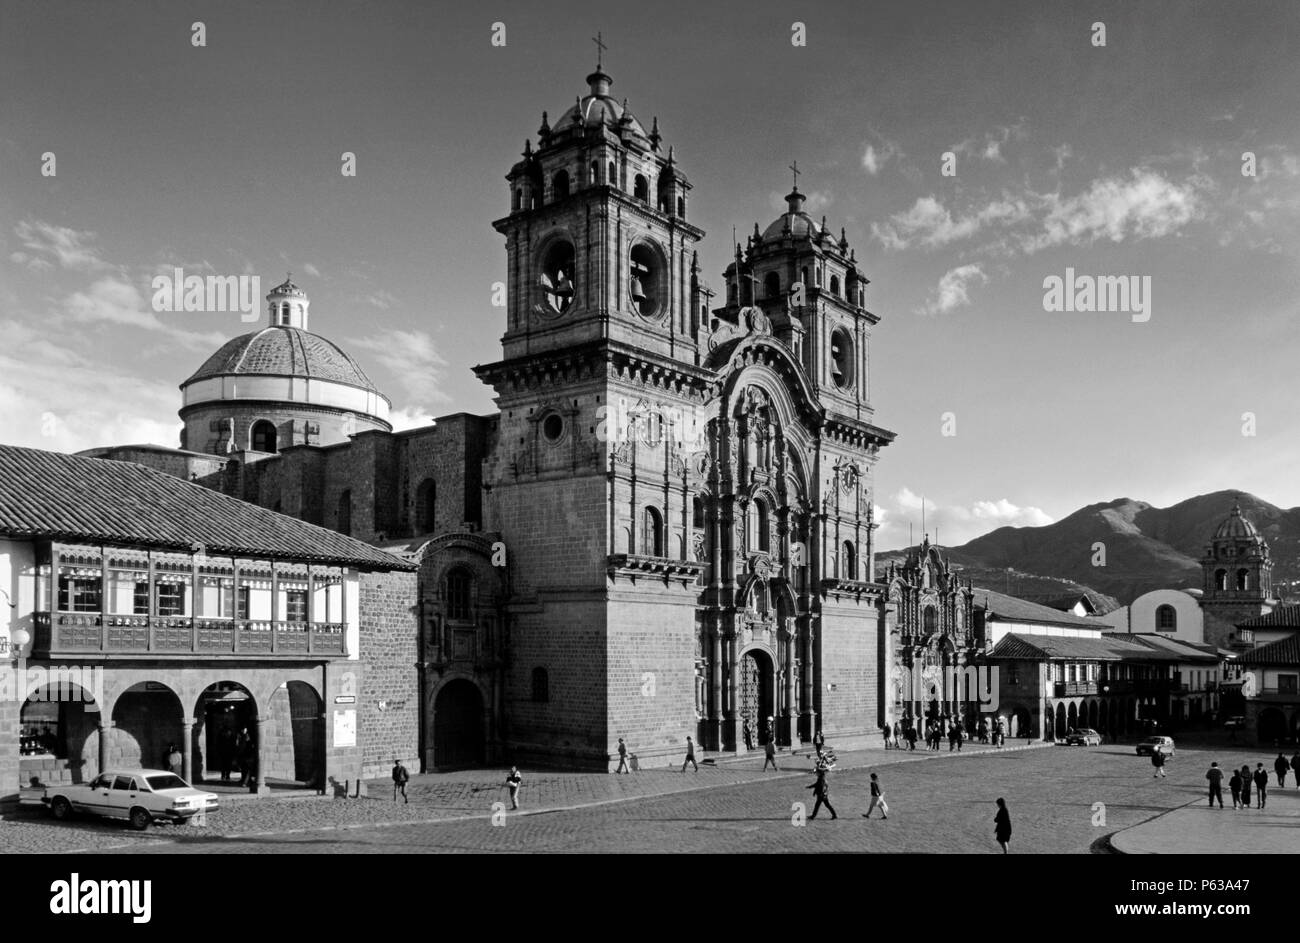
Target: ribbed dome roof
[800, 224]
[1235, 526]
[284, 351]
[598, 107]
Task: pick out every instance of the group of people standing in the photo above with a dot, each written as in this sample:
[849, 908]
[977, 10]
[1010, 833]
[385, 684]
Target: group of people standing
[904, 735]
[1243, 780]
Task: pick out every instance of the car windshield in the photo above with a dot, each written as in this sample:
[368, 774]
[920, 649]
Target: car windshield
[167, 781]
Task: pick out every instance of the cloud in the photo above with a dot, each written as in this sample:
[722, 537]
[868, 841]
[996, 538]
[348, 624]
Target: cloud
[381, 299]
[1145, 205]
[954, 524]
[53, 397]
[114, 301]
[989, 145]
[931, 225]
[414, 363]
[952, 290]
[70, 248]
[311, 270]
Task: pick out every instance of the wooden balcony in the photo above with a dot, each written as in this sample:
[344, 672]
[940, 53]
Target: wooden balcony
[1075, 688]
[90, 633]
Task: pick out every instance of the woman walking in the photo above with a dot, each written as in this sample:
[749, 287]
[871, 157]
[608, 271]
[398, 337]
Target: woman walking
[1002, 825]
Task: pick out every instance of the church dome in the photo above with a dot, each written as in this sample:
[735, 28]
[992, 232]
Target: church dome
[1236, 527]
[598, 107]
[285, 352]
[794, 221]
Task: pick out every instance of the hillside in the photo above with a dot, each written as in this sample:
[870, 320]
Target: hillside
[1146, 547]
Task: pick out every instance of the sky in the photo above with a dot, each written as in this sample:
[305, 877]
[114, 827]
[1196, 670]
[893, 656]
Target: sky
[1122, 159]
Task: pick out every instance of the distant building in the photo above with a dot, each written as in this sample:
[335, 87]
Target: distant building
[146, 611]
[1272, 690]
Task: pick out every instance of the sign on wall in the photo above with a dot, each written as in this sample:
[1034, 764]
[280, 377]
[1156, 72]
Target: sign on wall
[345, 728]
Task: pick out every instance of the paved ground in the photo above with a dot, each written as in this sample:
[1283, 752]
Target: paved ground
[1199, 830]
[938, 804]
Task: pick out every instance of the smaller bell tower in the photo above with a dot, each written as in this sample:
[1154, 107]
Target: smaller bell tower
[286, 305]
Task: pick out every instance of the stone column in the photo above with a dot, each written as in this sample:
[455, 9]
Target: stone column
[105, 728]
[790, 721]
[263, 758]
[187, 750]
[715, 679]
[809, 691]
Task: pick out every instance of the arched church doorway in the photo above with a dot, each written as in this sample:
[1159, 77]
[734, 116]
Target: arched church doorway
[458, 725]
[757, 685]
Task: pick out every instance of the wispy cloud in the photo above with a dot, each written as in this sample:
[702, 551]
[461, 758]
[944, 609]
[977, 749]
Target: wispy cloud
[413, 361]
[954, 523]
[48, 245]
[988, 146]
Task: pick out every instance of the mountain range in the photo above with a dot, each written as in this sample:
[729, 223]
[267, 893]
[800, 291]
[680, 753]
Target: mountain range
[1146, 548]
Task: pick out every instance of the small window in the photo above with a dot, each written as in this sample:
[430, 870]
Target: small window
[681, 207]
[345, 513]
[594, 171]
[263, 436]
[1287, 684]
[1243, 580]
[553, 427]
[612, 179]
[761, 521]
[1221, 580]
[697, 513]
[541, 686]
[1167, 619]
[426, 506]
[518, 198]
[641, 188]
[458, 596]
[123, 783]
[929, 618]
[851, 564]
[835, 285]
[242, 607]
[652, 533]
[560, 185]
[772, 285]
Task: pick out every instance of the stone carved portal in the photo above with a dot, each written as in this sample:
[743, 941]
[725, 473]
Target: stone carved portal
[757, 686]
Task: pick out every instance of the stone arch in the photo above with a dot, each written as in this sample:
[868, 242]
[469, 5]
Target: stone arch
[295, 733]
[223, 711]
[59, 734]
[1061, 724]
[459, 707]
[147, 722]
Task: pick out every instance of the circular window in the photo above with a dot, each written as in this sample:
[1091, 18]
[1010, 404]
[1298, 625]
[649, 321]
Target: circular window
[553, 427]
[841, 358]
[556, 280]
[645, 278]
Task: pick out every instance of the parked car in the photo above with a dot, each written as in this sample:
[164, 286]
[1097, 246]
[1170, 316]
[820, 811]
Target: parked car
[141, 796]
[1086, 737]
[1151, 744]
[1235, 723]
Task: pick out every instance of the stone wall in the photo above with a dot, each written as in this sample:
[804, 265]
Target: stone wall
[388, 702]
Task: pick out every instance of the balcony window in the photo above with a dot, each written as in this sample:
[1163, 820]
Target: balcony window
[1286, 684]
[458, 596]
[216, 599]
[171, 598]
[244, 599]
[80, 594]
[295, 605]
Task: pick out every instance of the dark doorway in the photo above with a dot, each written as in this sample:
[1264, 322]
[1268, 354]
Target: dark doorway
[756, 690]
[458, 725]
[225, 710]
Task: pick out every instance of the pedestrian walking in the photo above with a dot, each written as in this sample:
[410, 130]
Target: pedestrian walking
[1234, 784]
[400, 778]
[1295, 768]
[898, 736]
[1245, 786]
[622, 757]
[1215, 776]
[877, 799]
[513, 781]
[1261, 784]
[690, 755]
[885, 730]
[769, 751]
[818, 741]
[1158, 761]
[822, 790]
[911, 737]
[174, 760]
[1002, 826]
[747, 731]
[1281, 767]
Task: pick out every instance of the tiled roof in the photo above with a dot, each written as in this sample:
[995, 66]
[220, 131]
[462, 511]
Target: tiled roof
[1285, 651]
[1283, 617]
[69, 497]
[1039, 647]
[1185, 651]
[284, 351]
[1012, 609]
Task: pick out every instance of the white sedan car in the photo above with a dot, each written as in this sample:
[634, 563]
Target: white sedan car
[141, 796]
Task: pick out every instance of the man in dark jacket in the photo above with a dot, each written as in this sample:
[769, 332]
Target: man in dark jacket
[1281, 767]
[822, 790]
[1261, 784]
[1158, 761]
[400, 778]
[1215, 776]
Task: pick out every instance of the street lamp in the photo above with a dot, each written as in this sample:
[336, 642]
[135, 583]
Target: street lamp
[20, 637]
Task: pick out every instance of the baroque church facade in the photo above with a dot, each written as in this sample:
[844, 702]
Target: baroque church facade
[665, 531]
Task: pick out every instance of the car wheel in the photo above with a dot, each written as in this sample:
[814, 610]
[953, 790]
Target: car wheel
[61, 808]
[141, 819]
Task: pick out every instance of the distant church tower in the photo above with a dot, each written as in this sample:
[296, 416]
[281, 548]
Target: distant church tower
[1238, 577]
